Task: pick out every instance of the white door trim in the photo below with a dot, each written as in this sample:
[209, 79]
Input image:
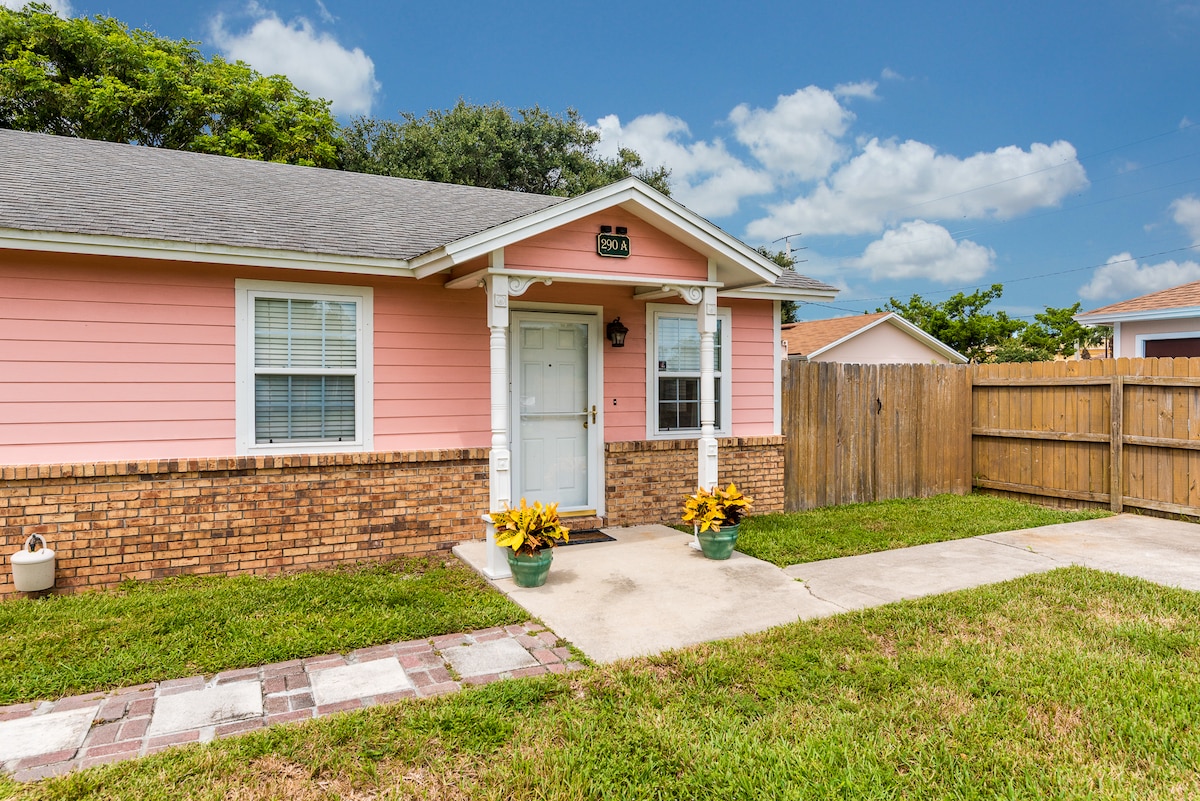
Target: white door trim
[591, 316]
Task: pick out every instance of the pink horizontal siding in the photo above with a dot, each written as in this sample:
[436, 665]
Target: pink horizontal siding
[572, 248]
[114, 359]
[754, 338]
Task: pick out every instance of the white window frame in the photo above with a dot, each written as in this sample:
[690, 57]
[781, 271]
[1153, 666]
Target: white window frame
[364, 382]
[722, 427]
[1140, 340]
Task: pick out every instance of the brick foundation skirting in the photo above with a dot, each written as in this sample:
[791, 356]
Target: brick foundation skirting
[113, 521]
[646, 481]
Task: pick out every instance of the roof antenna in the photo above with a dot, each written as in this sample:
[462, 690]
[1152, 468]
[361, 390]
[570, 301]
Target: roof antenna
[788, 250]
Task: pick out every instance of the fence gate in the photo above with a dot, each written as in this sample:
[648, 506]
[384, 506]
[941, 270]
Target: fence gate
[864, 432]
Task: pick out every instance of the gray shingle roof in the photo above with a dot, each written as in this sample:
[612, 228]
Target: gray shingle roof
[793, 280]
[59, 184]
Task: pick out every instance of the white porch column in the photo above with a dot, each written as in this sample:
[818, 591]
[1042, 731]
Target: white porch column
[706, 321]
[500, 458]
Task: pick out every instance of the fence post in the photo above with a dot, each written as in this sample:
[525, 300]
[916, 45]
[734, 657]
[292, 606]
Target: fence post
[1115, 457]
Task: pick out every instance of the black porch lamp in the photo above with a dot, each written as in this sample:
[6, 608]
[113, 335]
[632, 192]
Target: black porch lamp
[615, 332]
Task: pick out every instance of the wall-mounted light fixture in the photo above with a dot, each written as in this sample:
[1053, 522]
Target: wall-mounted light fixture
[622, 230]
[615, 332]
[606, 229]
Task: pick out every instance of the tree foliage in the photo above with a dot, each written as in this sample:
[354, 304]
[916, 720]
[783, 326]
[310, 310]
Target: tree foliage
[531, 151]
[97, 79]
[964, 323]
[784, 260]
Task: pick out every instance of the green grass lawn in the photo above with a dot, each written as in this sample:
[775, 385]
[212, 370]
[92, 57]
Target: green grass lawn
[789, 539]
[1069, 684]
[67, 645]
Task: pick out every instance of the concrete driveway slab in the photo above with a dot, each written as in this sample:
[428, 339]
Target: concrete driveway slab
[1163, 551]
[45, 734]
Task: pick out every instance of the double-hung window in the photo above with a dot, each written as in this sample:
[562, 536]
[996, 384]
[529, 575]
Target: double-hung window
[304, 367]
[674, 371]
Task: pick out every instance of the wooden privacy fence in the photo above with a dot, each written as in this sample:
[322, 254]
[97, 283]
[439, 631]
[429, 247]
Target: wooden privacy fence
[1119, 432]
[864, 432]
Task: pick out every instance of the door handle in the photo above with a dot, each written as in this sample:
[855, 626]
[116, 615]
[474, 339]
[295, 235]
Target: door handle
[593, 412]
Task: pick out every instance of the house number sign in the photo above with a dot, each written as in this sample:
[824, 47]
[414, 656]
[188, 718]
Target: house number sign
[614, 246]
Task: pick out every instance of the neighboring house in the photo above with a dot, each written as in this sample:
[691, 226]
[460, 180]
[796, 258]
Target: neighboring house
[221, 365]
[1164, 323]
[880, 338]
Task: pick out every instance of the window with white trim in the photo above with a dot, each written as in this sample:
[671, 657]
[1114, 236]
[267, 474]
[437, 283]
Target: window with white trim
[673, 356]
[304, 367]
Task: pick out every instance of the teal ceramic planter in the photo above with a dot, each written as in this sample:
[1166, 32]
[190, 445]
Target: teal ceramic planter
[530, 571]
[719, 544]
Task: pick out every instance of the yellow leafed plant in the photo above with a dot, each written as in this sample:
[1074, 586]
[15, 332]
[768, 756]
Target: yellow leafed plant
[711, 510]
[528, 529]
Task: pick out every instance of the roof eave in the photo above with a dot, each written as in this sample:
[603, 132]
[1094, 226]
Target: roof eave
[780, 293]
[168, 250]
[1100, 318]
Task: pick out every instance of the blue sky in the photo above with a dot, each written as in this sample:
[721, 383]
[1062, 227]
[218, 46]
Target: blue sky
[924, 148]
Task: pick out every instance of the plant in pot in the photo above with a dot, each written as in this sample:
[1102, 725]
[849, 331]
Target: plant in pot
[530, 533]
[715, 517]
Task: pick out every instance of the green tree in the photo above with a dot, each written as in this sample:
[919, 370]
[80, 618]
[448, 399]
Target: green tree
[962, 321]
[1057, 333]
[784, 260]
[531, 151]
[97, 79]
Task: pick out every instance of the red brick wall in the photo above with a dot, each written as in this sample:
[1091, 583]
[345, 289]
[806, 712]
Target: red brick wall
[263, 514]
[647, 480]
[112, 521]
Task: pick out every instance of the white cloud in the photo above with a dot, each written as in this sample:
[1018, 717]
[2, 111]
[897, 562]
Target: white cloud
[863, 89]
[918, 249]
[1122, 277]
[1186, 212]
[889, 74]
[705, 176]
[889, 181]
[314, 60]
[60, 7]
[326, 17]
[797, 138]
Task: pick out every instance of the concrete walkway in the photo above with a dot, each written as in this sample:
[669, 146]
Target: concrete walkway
[49, 738]
[649, 592]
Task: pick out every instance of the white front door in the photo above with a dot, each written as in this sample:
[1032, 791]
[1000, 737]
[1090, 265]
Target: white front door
[556, 436]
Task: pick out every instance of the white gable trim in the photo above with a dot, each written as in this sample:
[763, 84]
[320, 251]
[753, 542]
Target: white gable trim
[634, 196]
[899, 322]
[1172, 313]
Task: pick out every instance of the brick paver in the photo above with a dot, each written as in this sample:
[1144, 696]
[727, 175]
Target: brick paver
[119, 730]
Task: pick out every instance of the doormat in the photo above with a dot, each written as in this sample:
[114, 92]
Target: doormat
[586, 536]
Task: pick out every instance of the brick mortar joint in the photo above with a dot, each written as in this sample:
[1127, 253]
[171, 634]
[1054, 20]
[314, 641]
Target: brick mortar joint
[88, 471]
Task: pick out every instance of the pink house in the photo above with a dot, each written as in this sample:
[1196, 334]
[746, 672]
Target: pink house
[1164, 323]
[219, 365]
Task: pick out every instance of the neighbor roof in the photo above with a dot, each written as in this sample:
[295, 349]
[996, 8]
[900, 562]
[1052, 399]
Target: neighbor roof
[80, 186]
[807, 338]
[1182, 300]
[814, 337]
